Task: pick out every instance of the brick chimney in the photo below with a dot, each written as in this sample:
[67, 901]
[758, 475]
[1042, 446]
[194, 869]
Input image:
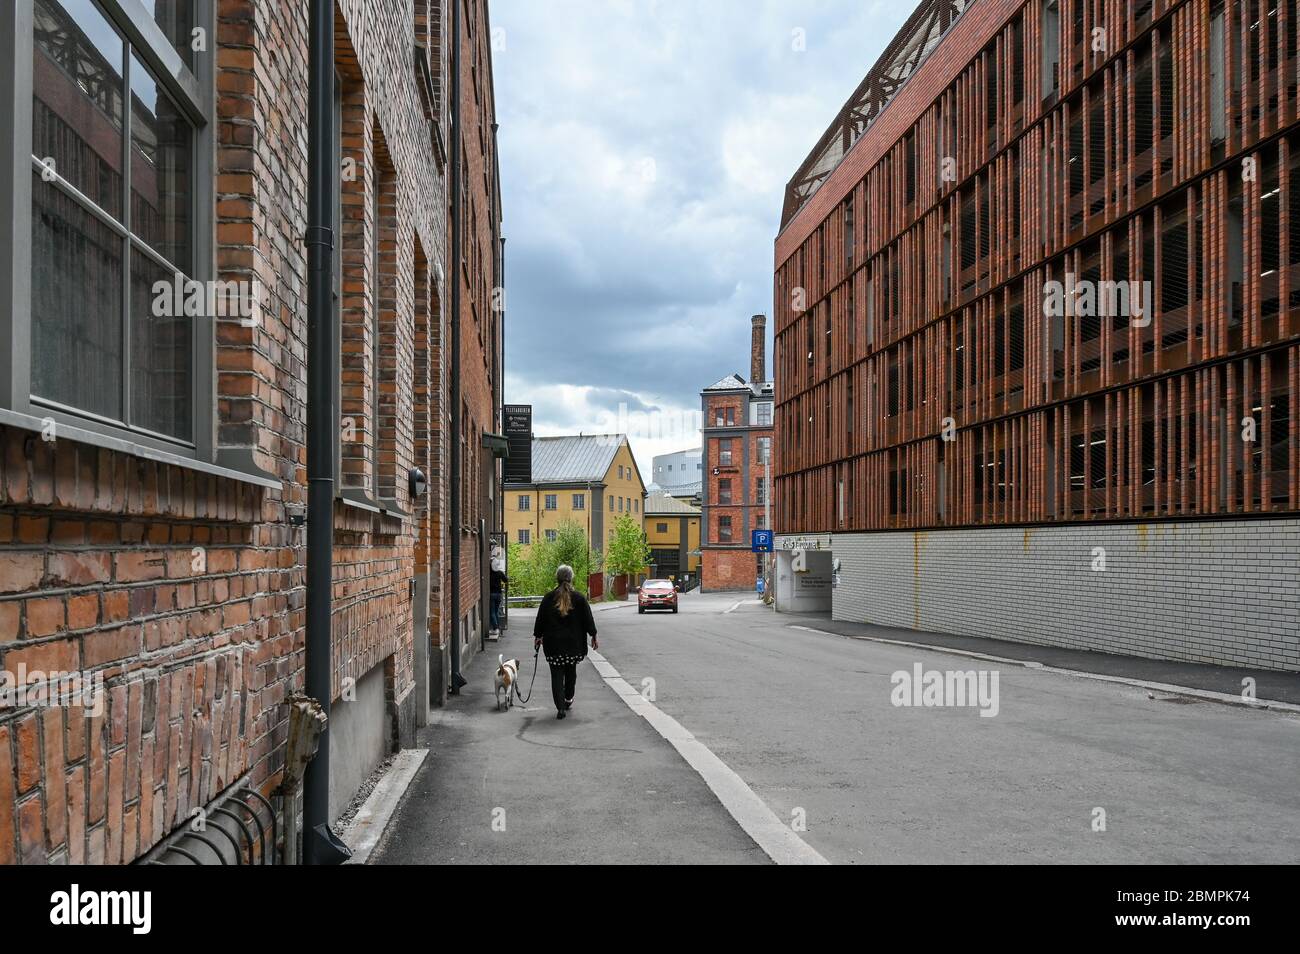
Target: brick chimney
[758, 349]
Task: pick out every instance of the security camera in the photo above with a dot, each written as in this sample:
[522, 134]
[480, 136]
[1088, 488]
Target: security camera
[418, 482]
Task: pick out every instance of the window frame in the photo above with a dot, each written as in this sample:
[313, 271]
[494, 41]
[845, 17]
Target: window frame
[194, 95]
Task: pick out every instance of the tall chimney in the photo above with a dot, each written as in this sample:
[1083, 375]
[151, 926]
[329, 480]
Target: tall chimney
[758, 349]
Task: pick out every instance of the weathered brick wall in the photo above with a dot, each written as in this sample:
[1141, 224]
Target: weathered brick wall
[1223, 592]
[184, 591]
[480, 321]
[722, 570]
[167, 586]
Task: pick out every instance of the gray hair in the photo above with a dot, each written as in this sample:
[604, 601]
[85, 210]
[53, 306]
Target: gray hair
[564, 573]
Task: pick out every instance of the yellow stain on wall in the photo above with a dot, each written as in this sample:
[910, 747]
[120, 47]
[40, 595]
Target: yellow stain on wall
[918, 539]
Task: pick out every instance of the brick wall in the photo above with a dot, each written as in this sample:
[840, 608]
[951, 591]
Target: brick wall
[1223, 592]
[480, 327]
[183, 590]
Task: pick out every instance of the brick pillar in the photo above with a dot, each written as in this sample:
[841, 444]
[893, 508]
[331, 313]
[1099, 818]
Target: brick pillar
[758, 349]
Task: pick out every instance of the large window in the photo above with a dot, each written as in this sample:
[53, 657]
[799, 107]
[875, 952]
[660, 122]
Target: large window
[119, 336]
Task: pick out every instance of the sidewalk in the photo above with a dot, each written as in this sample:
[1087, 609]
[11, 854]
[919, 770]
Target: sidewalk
[600, 787]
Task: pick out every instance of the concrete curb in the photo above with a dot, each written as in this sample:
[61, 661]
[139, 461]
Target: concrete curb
[776, 840]
[367, 827]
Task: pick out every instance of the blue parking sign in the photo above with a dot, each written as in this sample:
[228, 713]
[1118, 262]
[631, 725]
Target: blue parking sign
[761, 541]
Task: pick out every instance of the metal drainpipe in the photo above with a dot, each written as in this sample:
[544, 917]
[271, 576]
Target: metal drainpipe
[319, 846]
[457, 240]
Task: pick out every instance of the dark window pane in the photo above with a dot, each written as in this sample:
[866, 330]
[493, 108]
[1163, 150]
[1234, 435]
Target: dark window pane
[161, 354]
[77, 98]
[160, 169]
[176, 19]
[76, 304]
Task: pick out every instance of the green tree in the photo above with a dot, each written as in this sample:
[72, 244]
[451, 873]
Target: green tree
[533, 573]
[628, 552]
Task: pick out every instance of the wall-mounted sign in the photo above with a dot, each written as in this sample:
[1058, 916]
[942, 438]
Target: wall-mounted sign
[517, 420]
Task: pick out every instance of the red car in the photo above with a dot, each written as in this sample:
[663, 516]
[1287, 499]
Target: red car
[657, 595]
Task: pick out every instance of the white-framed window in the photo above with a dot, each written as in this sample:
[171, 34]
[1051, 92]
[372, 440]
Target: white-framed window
[552, 501]
[525, 502]
[525, 536]
[579, 501]
[110, 314]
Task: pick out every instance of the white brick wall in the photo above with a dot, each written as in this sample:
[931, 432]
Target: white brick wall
[1225, 592]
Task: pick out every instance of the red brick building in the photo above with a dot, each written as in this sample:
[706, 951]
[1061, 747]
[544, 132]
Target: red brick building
[737, 443]
[1037, 332]
[153, 461]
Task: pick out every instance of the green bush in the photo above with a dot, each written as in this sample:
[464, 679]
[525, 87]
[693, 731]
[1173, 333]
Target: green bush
[534, 574]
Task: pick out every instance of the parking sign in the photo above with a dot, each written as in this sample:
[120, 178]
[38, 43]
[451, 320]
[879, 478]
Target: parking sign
[761, 541]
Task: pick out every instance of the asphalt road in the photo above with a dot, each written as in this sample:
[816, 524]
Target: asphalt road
[807, 720]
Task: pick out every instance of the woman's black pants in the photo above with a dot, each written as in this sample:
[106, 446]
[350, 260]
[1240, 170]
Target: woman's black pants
[564, 679]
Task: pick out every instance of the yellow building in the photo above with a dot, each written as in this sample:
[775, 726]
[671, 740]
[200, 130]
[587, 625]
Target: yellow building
[590, 480]
[672, 528]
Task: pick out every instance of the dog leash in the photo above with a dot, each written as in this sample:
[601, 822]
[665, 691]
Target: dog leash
[523, 700]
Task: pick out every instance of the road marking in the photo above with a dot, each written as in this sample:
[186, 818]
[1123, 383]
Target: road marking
[778, 841]
[739, 603]
[1208, 694]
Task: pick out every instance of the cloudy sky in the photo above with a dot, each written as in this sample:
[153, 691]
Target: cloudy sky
[644, 149]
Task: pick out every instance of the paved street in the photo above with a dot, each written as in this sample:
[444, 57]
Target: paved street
[805, 719]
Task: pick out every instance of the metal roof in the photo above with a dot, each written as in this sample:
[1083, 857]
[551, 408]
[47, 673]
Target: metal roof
[731, 382]
[576, 458]
[662, 504]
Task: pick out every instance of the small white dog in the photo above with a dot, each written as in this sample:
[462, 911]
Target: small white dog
[507, 673]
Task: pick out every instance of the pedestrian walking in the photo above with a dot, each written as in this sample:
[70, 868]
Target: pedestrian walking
[497, 589]
[564, 622]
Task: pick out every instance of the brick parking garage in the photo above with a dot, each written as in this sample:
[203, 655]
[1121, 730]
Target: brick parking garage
[1036, 337]
[153, 468]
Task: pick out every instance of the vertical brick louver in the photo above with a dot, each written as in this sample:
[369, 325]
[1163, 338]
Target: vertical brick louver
[1043, 145]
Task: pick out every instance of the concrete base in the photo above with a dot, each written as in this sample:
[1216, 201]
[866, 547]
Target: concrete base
[407, 717]
[1223, 592]
[360, 734]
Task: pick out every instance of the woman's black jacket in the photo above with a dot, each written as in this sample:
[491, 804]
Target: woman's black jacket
[564, 638]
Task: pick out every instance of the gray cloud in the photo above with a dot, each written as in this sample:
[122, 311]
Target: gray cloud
[645, 146]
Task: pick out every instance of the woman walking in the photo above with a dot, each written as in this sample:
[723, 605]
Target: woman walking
[564, 622]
